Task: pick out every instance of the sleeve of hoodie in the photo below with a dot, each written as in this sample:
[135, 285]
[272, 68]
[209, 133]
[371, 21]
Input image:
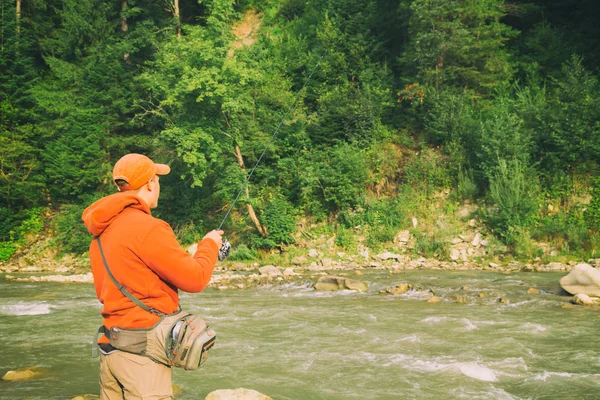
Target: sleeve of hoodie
[163, 254]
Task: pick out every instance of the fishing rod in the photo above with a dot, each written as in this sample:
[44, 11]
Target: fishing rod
[226, 246]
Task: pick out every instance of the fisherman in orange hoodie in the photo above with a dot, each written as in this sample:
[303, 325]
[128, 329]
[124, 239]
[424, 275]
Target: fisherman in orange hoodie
[144, 257]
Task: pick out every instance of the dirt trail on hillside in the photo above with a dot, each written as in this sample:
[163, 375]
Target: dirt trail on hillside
[246, 29]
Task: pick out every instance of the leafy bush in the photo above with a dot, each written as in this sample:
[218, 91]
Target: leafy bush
[279, 219]
[428, 244]
[379, 235]
[346, 238]
[466, 187]
[71, 234]
[242, 253]
[7, 249]
[592, 213]
[513, 194]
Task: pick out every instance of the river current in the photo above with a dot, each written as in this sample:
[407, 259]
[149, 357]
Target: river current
[289, 341]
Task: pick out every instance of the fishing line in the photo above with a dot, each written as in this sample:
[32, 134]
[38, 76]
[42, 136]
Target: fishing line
[290, 109]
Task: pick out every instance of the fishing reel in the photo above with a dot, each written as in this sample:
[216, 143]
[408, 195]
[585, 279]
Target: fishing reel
[224, 251]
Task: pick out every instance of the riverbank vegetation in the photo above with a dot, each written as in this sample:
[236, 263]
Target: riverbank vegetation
[415, 111]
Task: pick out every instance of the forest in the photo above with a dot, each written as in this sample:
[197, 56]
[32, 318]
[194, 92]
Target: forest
[384, 111]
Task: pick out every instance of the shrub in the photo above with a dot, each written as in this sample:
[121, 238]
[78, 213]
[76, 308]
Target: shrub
[241, 253]
[71, 234]
[379, 235]
[592, 213]
[513, 192]
[346, 238]
[278, 217]
[466, 187]
[428, 244]
[7, 249]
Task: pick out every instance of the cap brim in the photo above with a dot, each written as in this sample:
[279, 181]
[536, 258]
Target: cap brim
[162, 169]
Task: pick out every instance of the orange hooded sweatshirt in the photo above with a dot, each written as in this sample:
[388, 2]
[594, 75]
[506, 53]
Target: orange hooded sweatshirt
[143, 255]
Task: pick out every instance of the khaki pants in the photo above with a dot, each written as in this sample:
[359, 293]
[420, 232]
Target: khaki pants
[129, 376]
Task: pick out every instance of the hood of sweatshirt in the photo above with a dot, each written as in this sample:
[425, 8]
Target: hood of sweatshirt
[103, 212]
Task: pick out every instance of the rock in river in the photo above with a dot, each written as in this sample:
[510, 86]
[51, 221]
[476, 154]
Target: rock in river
[236, 394]
[339, 283]
[583, 279]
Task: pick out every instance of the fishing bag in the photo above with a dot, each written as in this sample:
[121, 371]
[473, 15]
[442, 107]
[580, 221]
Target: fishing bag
[180, 339]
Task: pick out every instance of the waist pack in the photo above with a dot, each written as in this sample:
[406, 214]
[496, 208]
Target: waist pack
[180, 339]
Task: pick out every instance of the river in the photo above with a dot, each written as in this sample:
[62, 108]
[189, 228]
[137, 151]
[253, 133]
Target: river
[291, 342]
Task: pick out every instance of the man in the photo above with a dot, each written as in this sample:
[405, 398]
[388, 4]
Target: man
[143, 255]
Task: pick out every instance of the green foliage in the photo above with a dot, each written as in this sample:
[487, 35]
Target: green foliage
[592, 213]
[7, 249]
[71, 234]
[567, 231]
[458, 44]
[278, 217]
[429, 245]
[242, 253]
[84, 82]
[378, 236]
[514, 198]
[466, 187]
[346, 238]
[570, 128]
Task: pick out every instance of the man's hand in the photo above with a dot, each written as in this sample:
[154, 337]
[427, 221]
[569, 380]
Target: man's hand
[216, 236]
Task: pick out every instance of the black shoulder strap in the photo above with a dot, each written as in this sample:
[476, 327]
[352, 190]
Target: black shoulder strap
[122, 289]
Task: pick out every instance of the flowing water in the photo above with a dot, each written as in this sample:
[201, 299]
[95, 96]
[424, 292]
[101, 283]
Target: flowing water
[291, 342]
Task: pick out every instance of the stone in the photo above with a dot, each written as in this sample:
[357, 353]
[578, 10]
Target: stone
[289, 272]
[299, 260]
[494, 265]
[86, 397]
[533, 291]
[403, 236]
[313, 253]
[434, 299]
[327, 262]
[331, 242]
[269, 270]
[236, 394]
[461, 299]
[386, 255]
[554, 266]
[476, 240]
[399, 288]
[583, 279]
[454, 254]
[330, 283]
[415, 222]
[23, 374]
[584, 300]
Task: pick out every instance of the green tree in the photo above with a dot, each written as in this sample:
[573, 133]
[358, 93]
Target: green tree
[459, 43]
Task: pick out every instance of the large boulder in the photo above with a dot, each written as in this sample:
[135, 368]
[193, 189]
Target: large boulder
[583, 279]
[236, 394]
[339, 283]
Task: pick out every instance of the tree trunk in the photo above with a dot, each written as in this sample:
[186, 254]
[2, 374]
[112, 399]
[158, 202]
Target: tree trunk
[18, 7]
[124, 26]
[177, 16]
[261, 229]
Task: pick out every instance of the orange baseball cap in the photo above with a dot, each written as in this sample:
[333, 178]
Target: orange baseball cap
[137, 170]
